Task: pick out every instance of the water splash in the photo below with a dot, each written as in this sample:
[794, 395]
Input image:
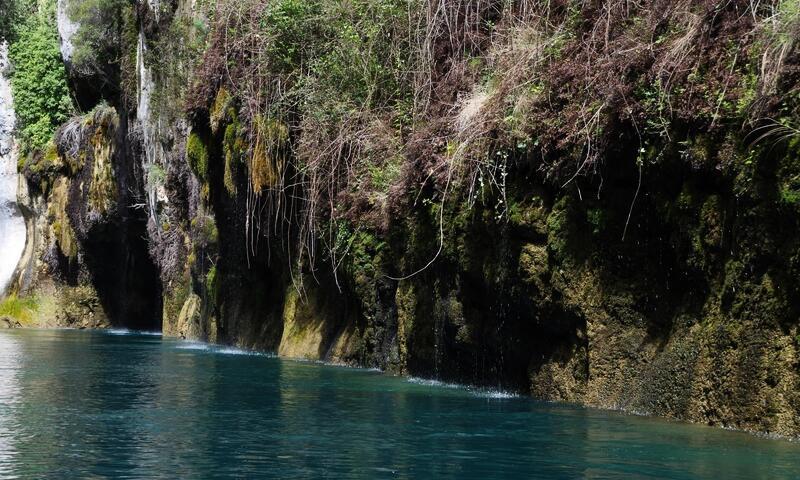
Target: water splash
[125, 331]
[477, 391]
[12, 225]
[221, 350]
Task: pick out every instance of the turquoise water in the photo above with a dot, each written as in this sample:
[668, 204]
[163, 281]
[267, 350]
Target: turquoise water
[104, 405]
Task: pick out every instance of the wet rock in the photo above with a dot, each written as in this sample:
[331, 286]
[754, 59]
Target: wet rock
[8, 323]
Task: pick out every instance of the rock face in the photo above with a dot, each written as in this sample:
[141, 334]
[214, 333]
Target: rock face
[8, 322]
[661, 283]
[86, 260]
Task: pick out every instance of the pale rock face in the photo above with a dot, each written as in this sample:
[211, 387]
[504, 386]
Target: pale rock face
[145, 82]
[152, 150]
[155, 7]
[66, 29]
[12, 225]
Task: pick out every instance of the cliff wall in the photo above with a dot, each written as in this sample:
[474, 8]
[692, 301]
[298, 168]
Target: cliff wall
[590, 202]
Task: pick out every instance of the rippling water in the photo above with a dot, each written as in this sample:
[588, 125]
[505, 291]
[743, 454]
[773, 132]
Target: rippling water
[122, 405]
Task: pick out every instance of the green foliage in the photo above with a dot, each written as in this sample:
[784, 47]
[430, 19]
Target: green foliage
[209, 235]
[234, 149]
[156, 176]
[20, 309]
[384, 176]
[98, 41]
[788, 20]
[12, 17]
[597, 218]
[212, 284]
[290, 25]
[790, 196]
[334, 57]
[561, 227]
[363, 62]
[171, 57]
[363, 255]
[197, 156]
[360, 248]
[39, 81]
[43, 167]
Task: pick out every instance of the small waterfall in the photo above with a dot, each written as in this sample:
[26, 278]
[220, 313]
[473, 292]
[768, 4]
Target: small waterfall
[145, 85]
[66, 29]
[12, 225]
[153, 150]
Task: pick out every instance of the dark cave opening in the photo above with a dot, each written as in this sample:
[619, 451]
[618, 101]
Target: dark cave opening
[124, 275]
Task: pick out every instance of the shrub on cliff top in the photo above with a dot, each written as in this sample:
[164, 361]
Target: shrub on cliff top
[99, 40]
[14, 13]
[472, 91]
[39, 81]
[321, 67]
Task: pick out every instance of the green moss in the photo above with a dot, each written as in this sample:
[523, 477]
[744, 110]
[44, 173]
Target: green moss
[365, 250]
[204, 231]
[22, 310]
[129, 43]
[748, 94]
[711, 221]
[234, 149]
[212, 285]
[100, 127]
[534, 265]
[530, 214]
[790, 195]
[217, 113]
[155, 176]
[197, 156]
[559, 228]
[598, 219]
[175, 297]
[270, 152]
[57, 216]
[210, 231]
[789, 174]
[406, 301]
[44, 167]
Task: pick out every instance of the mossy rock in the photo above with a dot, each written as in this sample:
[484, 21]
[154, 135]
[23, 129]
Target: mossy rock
[197, 156]
[270, 152]
[534, 266]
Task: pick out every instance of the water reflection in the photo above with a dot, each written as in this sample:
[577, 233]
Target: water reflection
[10, 357]
[93, 405]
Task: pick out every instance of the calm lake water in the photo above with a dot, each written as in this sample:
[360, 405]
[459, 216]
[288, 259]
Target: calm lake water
[115, 405]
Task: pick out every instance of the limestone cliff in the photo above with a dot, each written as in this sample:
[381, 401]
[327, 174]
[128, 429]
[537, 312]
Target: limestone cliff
[588, 201]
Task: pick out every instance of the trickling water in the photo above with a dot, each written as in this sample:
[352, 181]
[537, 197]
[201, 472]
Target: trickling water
[66, 29]
[145, 84]
[153, 151]
[12, 225]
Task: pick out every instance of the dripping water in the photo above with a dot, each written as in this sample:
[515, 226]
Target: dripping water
[151, 145]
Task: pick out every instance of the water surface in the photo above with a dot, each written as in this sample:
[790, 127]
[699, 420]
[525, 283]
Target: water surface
[112, 405]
